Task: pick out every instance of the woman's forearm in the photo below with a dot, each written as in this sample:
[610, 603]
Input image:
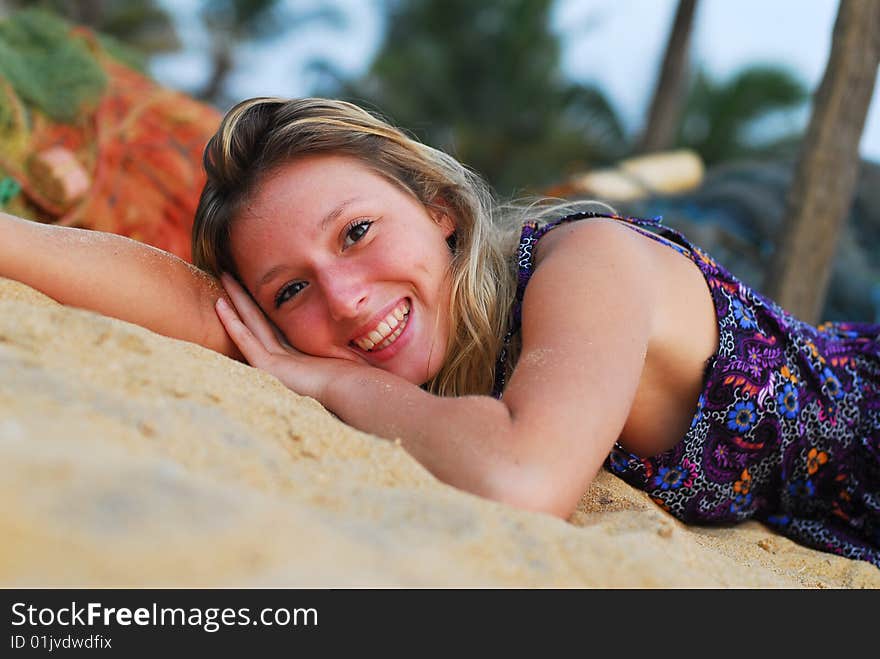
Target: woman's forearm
[475, 443]
[115, 276]
[469, 442]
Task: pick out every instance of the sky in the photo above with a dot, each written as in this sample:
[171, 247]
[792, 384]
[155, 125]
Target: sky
[617, 44]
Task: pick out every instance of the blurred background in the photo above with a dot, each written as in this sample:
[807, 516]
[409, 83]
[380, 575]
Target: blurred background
[554, 97]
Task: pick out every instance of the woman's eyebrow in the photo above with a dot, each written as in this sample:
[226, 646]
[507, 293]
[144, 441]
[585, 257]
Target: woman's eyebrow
[336, 212]
[269, 275]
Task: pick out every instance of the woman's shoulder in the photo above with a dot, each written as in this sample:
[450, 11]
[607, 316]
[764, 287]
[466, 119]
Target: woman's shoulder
[592, 262]
[645, 282]
[607, 232]
[636, 264]
[608, 235]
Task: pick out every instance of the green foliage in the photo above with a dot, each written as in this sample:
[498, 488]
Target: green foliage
[718, 115]
[130, 57]
[46, 67]
[143, 26]
[483, 82]
[241, 19]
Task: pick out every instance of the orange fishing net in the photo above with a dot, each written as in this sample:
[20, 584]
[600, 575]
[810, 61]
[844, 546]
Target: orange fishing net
[129, 163]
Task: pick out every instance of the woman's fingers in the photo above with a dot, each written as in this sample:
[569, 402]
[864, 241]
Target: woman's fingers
[255, 352]
[251, 315]
[251, 347]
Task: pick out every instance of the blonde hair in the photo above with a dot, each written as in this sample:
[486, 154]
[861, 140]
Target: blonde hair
[260, 134]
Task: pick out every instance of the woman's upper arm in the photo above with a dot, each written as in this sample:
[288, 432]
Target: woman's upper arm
[587, 321]
[115, 276]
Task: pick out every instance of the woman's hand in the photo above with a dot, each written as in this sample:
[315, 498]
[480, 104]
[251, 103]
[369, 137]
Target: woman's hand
[265, 348]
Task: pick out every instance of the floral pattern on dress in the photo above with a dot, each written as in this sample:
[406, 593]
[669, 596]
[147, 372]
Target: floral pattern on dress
[787, 428]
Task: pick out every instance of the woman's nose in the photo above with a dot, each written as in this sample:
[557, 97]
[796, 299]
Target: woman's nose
[345, 292]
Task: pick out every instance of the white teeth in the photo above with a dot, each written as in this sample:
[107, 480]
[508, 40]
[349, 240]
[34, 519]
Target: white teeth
[387, 342]
[386, 331]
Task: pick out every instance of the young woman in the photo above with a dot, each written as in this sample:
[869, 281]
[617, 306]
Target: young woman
[512, 352]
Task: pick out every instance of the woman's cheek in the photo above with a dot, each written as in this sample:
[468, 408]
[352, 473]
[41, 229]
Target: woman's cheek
[308, 337]
[293, 333]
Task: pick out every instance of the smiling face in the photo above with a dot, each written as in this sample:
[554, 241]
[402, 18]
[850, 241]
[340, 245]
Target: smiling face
[348, 265]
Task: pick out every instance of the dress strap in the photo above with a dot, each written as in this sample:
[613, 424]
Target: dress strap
[655, 224]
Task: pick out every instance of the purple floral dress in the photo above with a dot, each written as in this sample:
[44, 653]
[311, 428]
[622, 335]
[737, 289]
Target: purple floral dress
[786, 429]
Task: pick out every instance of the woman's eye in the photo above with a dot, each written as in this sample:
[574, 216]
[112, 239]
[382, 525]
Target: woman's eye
[356, 231]
[288, 292]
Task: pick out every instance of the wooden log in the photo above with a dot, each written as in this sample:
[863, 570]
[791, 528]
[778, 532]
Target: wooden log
[59, 176]
[670, 172]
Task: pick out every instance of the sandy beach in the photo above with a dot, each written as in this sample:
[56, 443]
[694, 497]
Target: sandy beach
[131, 459]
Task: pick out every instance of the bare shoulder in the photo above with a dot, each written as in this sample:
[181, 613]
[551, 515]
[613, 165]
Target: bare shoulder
[587, 321]
[602, 261]
[592, 285]
[615, 329]
[593, 235]
[640, 293]
[647, 269]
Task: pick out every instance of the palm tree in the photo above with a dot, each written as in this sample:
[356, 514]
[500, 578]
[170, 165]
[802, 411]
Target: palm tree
[664, 113]
[821, 194]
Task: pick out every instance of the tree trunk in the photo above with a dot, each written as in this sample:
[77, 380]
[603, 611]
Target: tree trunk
[88, 12]
[665, 112]
[221, 65]
[821, 193]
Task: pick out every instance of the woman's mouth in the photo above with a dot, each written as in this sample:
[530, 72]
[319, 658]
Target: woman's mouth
[387, 330]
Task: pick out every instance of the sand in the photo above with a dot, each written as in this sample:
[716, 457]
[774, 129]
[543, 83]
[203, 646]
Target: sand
[131, 459]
